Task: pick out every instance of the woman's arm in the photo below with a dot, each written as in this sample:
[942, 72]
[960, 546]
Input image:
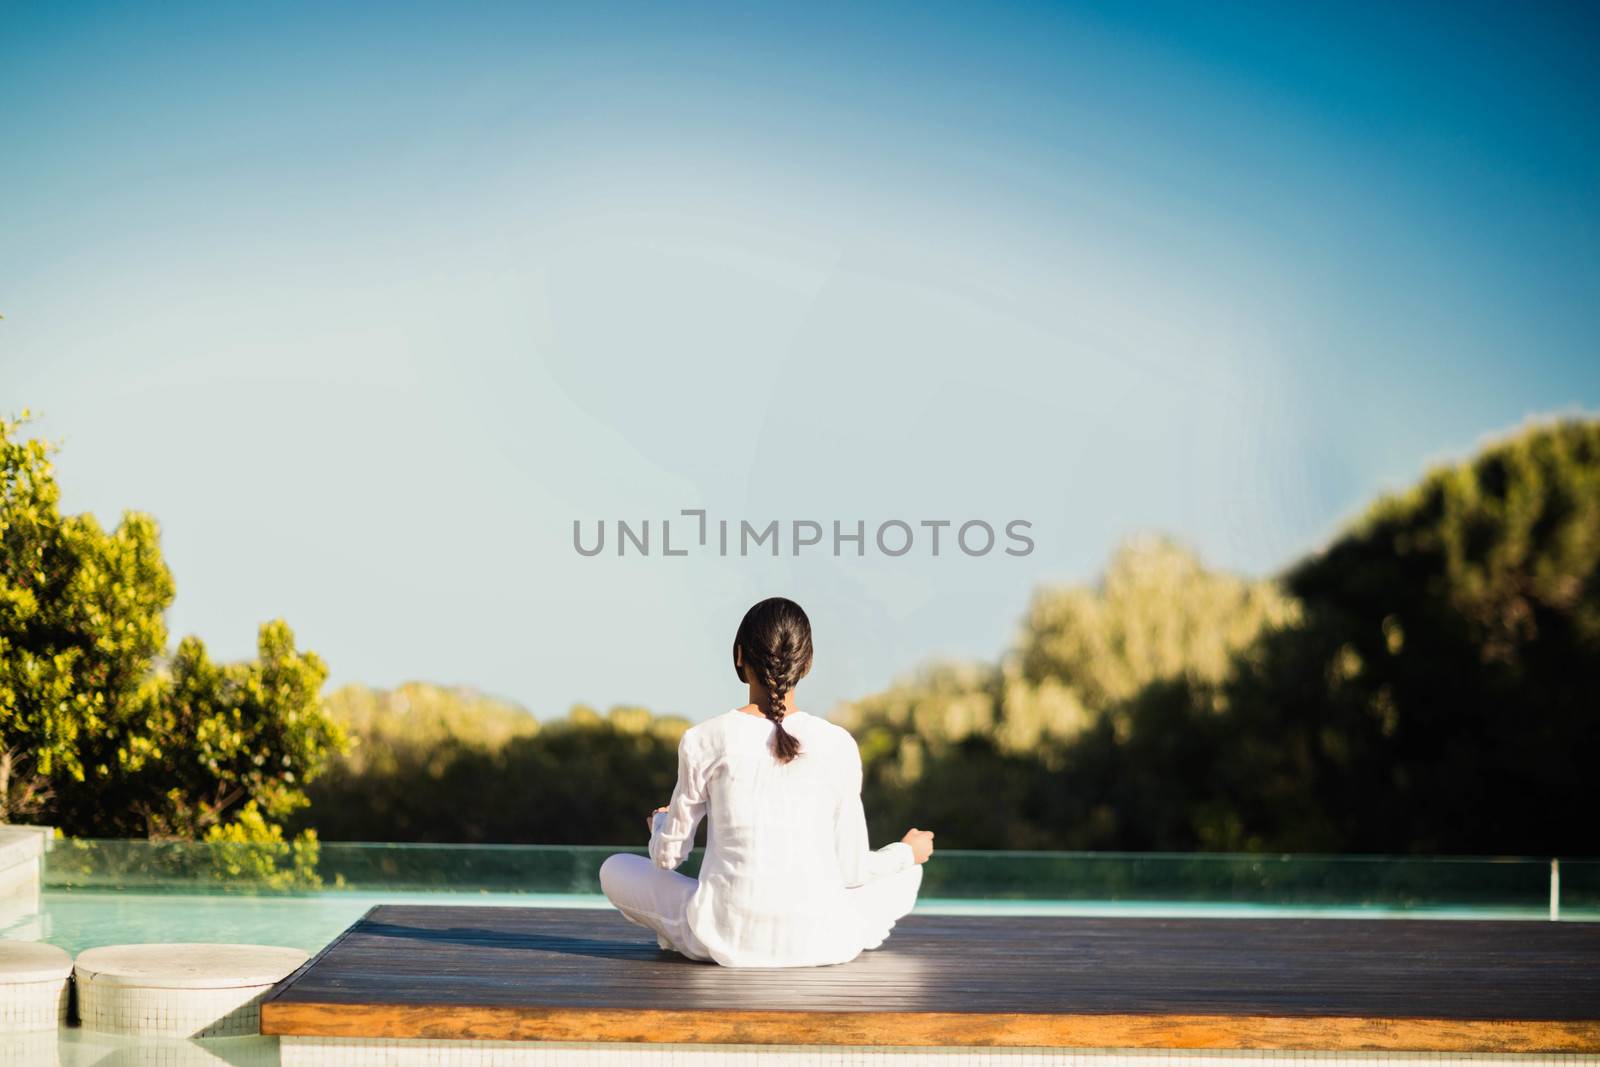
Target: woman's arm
[857, 861]
[672, 830]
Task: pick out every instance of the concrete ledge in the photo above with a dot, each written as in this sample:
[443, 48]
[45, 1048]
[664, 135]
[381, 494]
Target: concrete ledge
[182, 990]
[21, 849]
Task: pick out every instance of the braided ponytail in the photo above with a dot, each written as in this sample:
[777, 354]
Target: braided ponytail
[775, 642]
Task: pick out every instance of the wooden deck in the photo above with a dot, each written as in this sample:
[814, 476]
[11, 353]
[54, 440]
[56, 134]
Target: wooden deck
[539, 974]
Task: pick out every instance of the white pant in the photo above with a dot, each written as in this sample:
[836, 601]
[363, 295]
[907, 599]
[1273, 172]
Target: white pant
[658, 899]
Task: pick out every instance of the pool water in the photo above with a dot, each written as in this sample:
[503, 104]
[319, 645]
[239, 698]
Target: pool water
[81, 919]
[80, 1048]
[124, 892]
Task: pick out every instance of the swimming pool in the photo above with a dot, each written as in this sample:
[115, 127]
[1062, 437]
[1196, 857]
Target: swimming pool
[100, 893]
[97, 893]
[88, 918]
[111, 892]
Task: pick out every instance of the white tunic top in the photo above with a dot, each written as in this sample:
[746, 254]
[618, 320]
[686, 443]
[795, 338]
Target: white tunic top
[783, 842]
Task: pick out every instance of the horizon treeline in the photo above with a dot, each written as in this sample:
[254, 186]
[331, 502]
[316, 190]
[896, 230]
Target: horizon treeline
[1429, 682]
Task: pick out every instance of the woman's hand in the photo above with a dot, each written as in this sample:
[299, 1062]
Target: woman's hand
[921, 842]
[650, 820]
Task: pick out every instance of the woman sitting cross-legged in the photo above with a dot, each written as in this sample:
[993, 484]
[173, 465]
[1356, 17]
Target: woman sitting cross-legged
[788, 879]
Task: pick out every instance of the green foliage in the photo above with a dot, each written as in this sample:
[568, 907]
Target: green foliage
[81, 618]
[206, 741]
[1157, 616]
[1425, 683]
[246, 855]
[429, 763]
[97, 735]
[251, 850]
[1441, 693]
[383, 725]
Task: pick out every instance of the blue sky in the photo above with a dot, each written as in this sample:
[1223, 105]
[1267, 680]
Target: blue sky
[368, 305]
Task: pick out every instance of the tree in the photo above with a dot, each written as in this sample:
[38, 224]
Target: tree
[1158, 614]
[1157, 623]
[97, 734]
[431, 763]
[1440, 695]
[1434, 691]
[81, 619]
[1426, 683]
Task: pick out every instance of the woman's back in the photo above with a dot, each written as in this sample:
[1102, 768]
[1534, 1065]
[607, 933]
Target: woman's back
[782, 840]
[771, 825]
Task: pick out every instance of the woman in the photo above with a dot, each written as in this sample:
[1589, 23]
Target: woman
[788, 879]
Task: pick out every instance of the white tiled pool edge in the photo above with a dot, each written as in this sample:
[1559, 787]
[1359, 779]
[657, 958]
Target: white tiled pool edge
[32, 1006]
[368, 1052]
[133, 1012]
[35, 986]
[179, 990]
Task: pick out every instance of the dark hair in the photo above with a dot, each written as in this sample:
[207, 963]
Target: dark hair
[774, 641]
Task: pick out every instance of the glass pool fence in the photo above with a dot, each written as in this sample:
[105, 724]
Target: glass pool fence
[1526, 887]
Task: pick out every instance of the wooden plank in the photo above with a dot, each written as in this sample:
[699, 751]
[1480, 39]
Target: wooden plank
[929, 1029]
[589, 975]
[299, 971]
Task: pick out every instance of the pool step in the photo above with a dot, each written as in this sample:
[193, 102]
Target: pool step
[33, 986]
[180, 990]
